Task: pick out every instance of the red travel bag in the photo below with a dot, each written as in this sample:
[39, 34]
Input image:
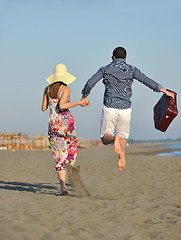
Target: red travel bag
[165, 111]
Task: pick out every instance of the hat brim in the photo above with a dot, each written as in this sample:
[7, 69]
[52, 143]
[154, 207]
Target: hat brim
[65, 78]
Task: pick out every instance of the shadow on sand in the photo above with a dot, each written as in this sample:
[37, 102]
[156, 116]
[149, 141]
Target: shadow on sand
[39, 188]
[76, 188]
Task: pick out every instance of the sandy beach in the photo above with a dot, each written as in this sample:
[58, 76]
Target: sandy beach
[141, 202]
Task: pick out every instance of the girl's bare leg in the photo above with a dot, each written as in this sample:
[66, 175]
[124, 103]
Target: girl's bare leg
[72, 163]
[61, 177]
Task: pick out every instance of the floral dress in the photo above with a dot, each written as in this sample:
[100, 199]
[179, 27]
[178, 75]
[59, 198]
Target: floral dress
[62, 135]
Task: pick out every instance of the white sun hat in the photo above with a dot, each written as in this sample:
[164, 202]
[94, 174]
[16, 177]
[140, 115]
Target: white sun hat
[61, 75]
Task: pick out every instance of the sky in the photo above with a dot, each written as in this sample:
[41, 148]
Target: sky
[36, 35]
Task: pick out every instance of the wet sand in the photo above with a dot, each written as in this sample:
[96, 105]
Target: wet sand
[141, 202]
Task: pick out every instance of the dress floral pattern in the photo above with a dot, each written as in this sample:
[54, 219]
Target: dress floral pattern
[62, 135]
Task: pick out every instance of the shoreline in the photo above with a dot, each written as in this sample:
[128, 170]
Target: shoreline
[149, 148]
[146, 148]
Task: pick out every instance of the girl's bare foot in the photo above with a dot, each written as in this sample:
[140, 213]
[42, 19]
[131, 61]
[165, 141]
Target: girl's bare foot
[121, 162]
[64, 192]
[117, 146]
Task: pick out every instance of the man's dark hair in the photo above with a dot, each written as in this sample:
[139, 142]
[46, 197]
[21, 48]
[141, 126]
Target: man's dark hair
[119, 52]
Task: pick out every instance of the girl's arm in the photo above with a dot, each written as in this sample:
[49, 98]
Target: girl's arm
[64, 101]
[44, 102]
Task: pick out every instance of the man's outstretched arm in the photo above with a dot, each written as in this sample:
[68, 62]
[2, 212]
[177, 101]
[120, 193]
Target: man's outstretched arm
[141, 77]
[92, 82]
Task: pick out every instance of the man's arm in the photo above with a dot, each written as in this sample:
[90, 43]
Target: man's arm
[141, 77]
[92, 82]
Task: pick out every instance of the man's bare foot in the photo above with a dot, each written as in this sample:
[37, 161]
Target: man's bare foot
[121, 162]
[117, 146]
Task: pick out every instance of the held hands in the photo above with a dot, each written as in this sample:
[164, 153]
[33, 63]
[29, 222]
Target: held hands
[84, 102]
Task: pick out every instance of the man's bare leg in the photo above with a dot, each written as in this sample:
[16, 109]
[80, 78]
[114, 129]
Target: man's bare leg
[121, 161]
[117, 144]
[107, 139]
[119, 147]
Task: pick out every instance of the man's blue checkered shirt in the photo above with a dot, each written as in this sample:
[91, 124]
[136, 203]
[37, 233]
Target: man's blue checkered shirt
[118, 78]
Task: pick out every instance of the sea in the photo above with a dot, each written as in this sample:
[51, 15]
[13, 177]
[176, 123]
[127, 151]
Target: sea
[176, 153]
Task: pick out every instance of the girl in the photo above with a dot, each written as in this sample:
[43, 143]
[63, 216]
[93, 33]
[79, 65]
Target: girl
[62, 130]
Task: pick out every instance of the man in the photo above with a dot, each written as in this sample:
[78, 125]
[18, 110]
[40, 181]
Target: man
[118, 78]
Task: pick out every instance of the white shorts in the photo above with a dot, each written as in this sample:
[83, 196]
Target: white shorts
[116, 119]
